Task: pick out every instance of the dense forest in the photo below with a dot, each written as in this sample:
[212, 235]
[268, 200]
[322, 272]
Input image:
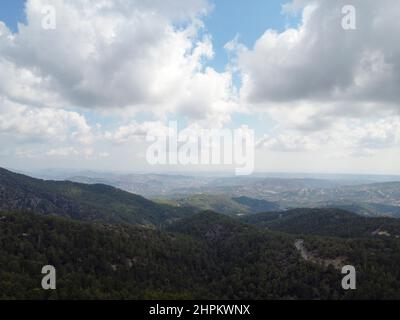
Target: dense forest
[206, 256]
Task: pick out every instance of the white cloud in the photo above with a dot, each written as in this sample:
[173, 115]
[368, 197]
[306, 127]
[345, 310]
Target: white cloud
[145, 56]
[287, 142]
[326, 90]
[88, 153]
[62, 152]
[42, 124]
[319, 72]
[136, 131]
[345, 137]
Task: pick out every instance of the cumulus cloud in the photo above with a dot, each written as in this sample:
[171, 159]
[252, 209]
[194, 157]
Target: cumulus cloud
[42, 124]
[88, 153]
[107, 59]
[345, 137]
[136, 131]
[62, 152]
[139, 55]
[287, 142]
[323, 72]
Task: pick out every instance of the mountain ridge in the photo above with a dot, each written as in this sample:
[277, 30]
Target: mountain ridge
[325, 222]
[80, 201]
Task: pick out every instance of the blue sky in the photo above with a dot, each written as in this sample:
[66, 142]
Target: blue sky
[248, 21]
[11, 12]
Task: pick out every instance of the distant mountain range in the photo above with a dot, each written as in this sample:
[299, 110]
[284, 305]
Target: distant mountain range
[301, 192]
[247, 195]
[220, 194]
[147, 185]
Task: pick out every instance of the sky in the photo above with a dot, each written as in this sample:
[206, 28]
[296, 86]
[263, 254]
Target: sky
[317, 81]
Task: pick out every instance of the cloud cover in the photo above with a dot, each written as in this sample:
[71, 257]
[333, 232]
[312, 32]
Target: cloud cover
[136, 55]
[323, 86]
[322, 62]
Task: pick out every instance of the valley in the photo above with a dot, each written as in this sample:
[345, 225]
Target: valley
[365, 195]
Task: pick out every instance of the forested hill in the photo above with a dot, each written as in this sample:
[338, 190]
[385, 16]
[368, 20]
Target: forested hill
[21, 193]
[95, 261]
[214, 257]
[223, 204]
[325, 222]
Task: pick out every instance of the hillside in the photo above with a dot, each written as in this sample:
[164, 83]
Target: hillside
[223, 204]
[366, 209]
[95, 261]
[206, 256]
[326, 222]
[80, 201]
